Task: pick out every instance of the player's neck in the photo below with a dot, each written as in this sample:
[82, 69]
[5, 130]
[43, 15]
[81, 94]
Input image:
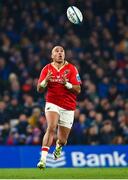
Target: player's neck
[59, 65]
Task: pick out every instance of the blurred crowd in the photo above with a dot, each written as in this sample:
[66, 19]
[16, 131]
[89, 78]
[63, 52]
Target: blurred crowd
[99, 49]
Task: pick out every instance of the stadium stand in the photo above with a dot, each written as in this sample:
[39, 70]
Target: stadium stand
[99, 49]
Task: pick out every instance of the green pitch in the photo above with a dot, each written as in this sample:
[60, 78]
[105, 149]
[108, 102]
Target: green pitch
[65, 173]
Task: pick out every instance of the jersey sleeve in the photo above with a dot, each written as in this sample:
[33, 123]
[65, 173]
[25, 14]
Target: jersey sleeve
[75, 77]
[43, 74]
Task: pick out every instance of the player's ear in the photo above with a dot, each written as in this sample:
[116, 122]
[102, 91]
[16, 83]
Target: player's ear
[52, 56]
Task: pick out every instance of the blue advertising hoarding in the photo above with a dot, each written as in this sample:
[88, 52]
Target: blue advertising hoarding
[72, 156]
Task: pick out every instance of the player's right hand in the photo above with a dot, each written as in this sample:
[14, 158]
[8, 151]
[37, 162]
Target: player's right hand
[49, 76]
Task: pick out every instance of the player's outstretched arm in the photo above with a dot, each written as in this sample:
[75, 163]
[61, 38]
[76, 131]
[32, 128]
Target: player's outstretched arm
[73, 88]
[43, 84]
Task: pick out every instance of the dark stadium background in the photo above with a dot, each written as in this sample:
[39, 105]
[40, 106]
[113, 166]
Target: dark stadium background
[99, 49]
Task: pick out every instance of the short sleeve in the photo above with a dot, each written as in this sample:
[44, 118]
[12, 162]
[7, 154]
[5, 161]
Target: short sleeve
[75, 77]
[43, 74]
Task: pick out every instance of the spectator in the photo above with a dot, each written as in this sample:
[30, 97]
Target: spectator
[107, 133]
[34, 118]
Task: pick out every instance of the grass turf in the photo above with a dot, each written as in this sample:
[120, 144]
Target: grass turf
[65, 173]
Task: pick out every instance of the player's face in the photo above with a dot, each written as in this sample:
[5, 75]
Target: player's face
[58, 54]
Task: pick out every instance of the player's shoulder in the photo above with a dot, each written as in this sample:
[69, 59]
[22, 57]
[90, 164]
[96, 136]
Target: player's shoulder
[46, 67]
[71, 66]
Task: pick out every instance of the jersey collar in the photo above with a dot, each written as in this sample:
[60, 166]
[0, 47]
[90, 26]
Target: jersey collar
[61, 67]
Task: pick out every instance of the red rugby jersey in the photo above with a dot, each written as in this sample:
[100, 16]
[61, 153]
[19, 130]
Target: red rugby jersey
[57, 93]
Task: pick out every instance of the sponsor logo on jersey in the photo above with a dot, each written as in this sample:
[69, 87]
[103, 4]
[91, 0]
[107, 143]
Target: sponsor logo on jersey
[66, 71]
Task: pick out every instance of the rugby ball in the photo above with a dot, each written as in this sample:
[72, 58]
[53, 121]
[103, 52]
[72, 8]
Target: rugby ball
[74, 15]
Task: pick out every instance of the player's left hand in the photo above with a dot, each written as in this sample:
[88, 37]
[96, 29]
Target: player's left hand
[64, 79]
